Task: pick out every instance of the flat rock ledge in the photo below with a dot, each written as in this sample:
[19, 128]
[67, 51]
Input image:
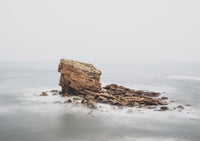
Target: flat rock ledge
[121, 96]
[83, 80]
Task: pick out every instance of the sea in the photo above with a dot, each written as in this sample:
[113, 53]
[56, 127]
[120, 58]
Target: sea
[26, 116]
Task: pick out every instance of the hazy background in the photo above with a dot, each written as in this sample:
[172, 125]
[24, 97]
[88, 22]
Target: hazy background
[151, 45]
[99, 31]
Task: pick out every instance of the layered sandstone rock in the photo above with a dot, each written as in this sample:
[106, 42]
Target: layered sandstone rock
[122, 96]
[77, 76]
[82, 79]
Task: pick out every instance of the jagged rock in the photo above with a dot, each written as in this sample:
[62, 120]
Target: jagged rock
[77, 76]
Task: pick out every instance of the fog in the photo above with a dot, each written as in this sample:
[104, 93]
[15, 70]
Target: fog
[99, 31]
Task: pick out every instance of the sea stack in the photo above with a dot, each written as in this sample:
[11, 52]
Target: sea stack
[77, 76]
[83, 80]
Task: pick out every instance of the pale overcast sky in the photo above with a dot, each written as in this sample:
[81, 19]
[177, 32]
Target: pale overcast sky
[100, 30]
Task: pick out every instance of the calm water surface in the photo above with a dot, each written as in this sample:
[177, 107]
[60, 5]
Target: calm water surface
[25, 116]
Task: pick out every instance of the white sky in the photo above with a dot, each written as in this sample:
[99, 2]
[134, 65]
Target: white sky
[100, 30]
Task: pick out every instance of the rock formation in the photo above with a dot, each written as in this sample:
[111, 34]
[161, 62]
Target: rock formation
[77, 76]
[82, 79]
[122, 96]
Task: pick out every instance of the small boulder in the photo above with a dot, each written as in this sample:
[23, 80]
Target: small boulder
[164, 108]
[84, 101]
[44, 94]
[68, 101]
[54, 91]
[164, 98]
[180, 107]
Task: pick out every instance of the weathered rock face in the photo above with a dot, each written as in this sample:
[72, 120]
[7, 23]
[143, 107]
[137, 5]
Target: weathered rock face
[122, 96]
[77, 76]
[82, 79]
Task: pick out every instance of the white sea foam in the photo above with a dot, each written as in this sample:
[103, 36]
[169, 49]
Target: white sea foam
[56, 104]
[111, 116]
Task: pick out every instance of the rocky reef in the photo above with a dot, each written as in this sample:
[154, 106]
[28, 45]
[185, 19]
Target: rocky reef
[83, 80]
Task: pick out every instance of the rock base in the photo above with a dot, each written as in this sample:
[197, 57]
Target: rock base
[120, 96]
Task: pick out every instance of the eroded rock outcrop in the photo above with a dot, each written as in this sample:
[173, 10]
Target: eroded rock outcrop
[122, 96]
[83, 80]
[77, 76]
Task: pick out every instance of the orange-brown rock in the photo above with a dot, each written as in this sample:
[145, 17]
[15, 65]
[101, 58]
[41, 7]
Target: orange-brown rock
[77, 76]
[83, 80]
[43, 94]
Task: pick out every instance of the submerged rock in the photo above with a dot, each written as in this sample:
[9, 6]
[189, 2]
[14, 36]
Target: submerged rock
[172, 101]
[164, 108]
[54, 94]
[187, 105]
[164, 98]
[54, 91]
[130, 111]
[68, 101]
[151, 107]
[57, 102]
[180, 107]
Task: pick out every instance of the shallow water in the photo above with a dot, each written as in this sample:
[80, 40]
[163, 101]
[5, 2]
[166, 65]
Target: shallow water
[25, 116]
